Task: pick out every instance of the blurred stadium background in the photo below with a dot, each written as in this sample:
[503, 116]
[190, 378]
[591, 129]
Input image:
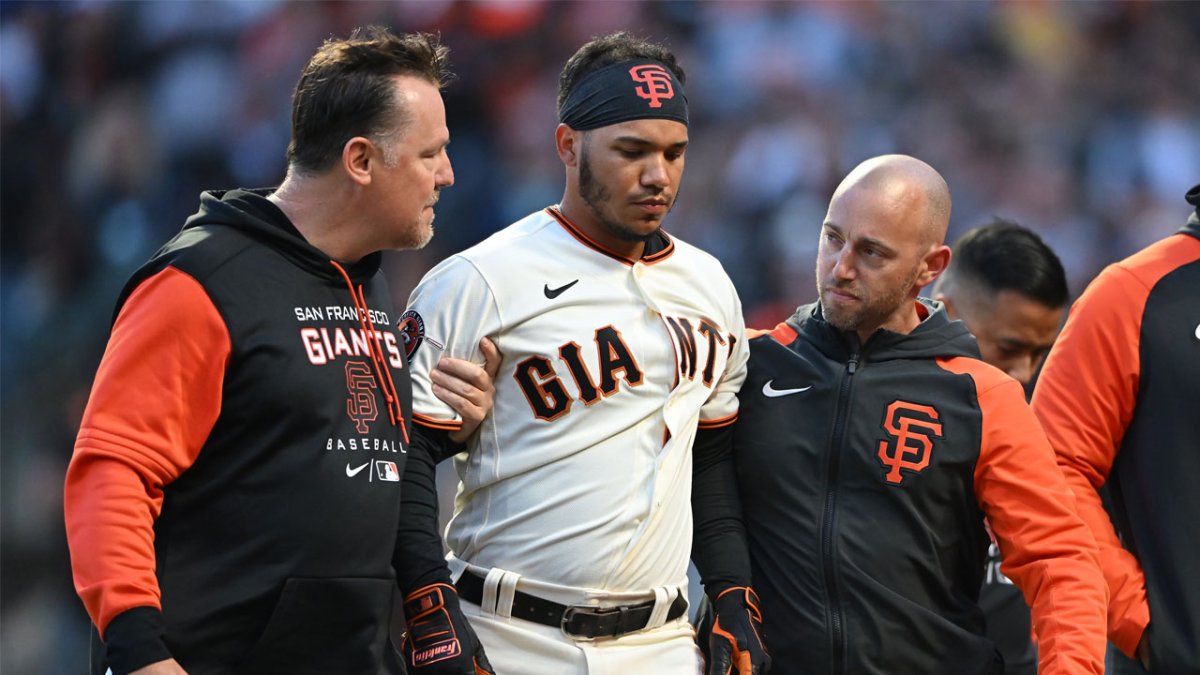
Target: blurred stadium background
[1080, 120]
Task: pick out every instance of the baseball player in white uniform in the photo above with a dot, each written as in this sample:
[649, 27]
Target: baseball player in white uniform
[572, 525]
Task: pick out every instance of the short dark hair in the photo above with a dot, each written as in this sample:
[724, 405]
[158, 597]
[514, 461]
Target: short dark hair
[346, 91]
[607, 50]
[1004, 256]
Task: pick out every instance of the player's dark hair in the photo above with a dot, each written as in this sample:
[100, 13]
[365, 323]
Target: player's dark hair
[607, 50]
[1004, 256]
[346, 90]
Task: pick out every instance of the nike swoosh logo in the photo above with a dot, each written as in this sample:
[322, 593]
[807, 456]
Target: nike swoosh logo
[772, 392]
[354, 472]
[553, 293]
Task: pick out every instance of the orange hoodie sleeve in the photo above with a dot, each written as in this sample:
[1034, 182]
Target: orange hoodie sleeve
[1047, 550]
[155, 399]
[1085, 398]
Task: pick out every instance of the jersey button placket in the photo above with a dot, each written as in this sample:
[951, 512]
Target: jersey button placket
[638, 271]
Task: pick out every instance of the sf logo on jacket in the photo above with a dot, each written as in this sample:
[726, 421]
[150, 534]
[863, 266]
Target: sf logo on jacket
[912, 428]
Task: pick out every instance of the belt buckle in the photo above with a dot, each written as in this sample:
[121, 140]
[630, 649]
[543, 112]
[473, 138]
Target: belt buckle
[584, 610]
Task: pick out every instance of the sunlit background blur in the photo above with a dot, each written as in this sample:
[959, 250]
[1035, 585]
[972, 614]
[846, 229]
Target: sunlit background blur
[1080, 120]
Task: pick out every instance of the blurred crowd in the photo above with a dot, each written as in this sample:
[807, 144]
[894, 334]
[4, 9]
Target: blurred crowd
[1078, 120]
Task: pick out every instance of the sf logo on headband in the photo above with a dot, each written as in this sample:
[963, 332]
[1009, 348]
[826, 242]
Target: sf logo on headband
[913, 427]
[655, 83]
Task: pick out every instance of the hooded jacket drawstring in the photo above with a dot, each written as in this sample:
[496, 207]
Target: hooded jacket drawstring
[394, 396]
[382, 373]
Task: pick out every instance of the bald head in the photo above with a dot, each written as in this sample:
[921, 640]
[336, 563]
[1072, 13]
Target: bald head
[908, 185]
[881, 242]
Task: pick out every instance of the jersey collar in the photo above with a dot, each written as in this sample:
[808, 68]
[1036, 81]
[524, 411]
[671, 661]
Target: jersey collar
[658, 248]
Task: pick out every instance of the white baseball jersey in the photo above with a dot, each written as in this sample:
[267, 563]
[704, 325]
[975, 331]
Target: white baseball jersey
[581, 474]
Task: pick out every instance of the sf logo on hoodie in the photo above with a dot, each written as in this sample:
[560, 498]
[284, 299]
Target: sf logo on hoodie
[912, 427]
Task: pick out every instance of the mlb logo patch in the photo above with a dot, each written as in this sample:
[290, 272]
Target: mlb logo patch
[387, 471]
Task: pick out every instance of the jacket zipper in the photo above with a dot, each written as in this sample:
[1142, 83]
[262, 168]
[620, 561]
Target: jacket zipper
[836, 631]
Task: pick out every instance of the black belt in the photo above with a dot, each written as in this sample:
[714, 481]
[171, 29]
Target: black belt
[574, 620]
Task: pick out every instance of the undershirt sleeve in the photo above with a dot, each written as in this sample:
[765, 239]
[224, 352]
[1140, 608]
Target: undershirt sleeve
[719, 541]
[419, 558]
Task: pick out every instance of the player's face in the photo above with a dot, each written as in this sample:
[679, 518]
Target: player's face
[416, 166]
[629, 176]
[1014, 332]
[869, 261]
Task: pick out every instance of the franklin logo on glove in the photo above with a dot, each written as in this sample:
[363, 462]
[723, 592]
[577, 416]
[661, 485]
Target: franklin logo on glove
[439, 640]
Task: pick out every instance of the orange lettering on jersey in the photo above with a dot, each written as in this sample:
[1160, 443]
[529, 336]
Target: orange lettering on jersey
[542, 388]
[688, 354]
[687, 346]
[913, 426]
[655, 83]
[615, 357]
[588, 392]
[713, 334]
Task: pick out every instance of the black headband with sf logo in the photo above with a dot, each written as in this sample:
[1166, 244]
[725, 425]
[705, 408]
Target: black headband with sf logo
[629, 90]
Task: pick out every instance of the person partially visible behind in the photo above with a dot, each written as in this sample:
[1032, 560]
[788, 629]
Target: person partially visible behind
[1118, 398]
[621, 344]
[1009, 289]
[233, 503]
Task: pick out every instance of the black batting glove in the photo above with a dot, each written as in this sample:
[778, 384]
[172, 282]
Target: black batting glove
[736, 644]
[439, 641]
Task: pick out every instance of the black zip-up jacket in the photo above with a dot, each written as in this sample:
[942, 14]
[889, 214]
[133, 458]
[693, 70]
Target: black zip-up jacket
[1119, 400]
[234, 494]
[865, 473]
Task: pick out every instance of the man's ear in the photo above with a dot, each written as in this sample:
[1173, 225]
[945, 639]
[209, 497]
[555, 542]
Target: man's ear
[569, 144]
[358, 157]
[933, 264]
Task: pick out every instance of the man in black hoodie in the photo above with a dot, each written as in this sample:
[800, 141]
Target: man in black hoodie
[871, 443]
[234, 502]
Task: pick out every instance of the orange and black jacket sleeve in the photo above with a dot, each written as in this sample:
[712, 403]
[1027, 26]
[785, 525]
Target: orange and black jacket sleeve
[1085, 398]
[1047, 550]
[154, 401]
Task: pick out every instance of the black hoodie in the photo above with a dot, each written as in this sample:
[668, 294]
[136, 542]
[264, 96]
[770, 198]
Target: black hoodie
[273, 548]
